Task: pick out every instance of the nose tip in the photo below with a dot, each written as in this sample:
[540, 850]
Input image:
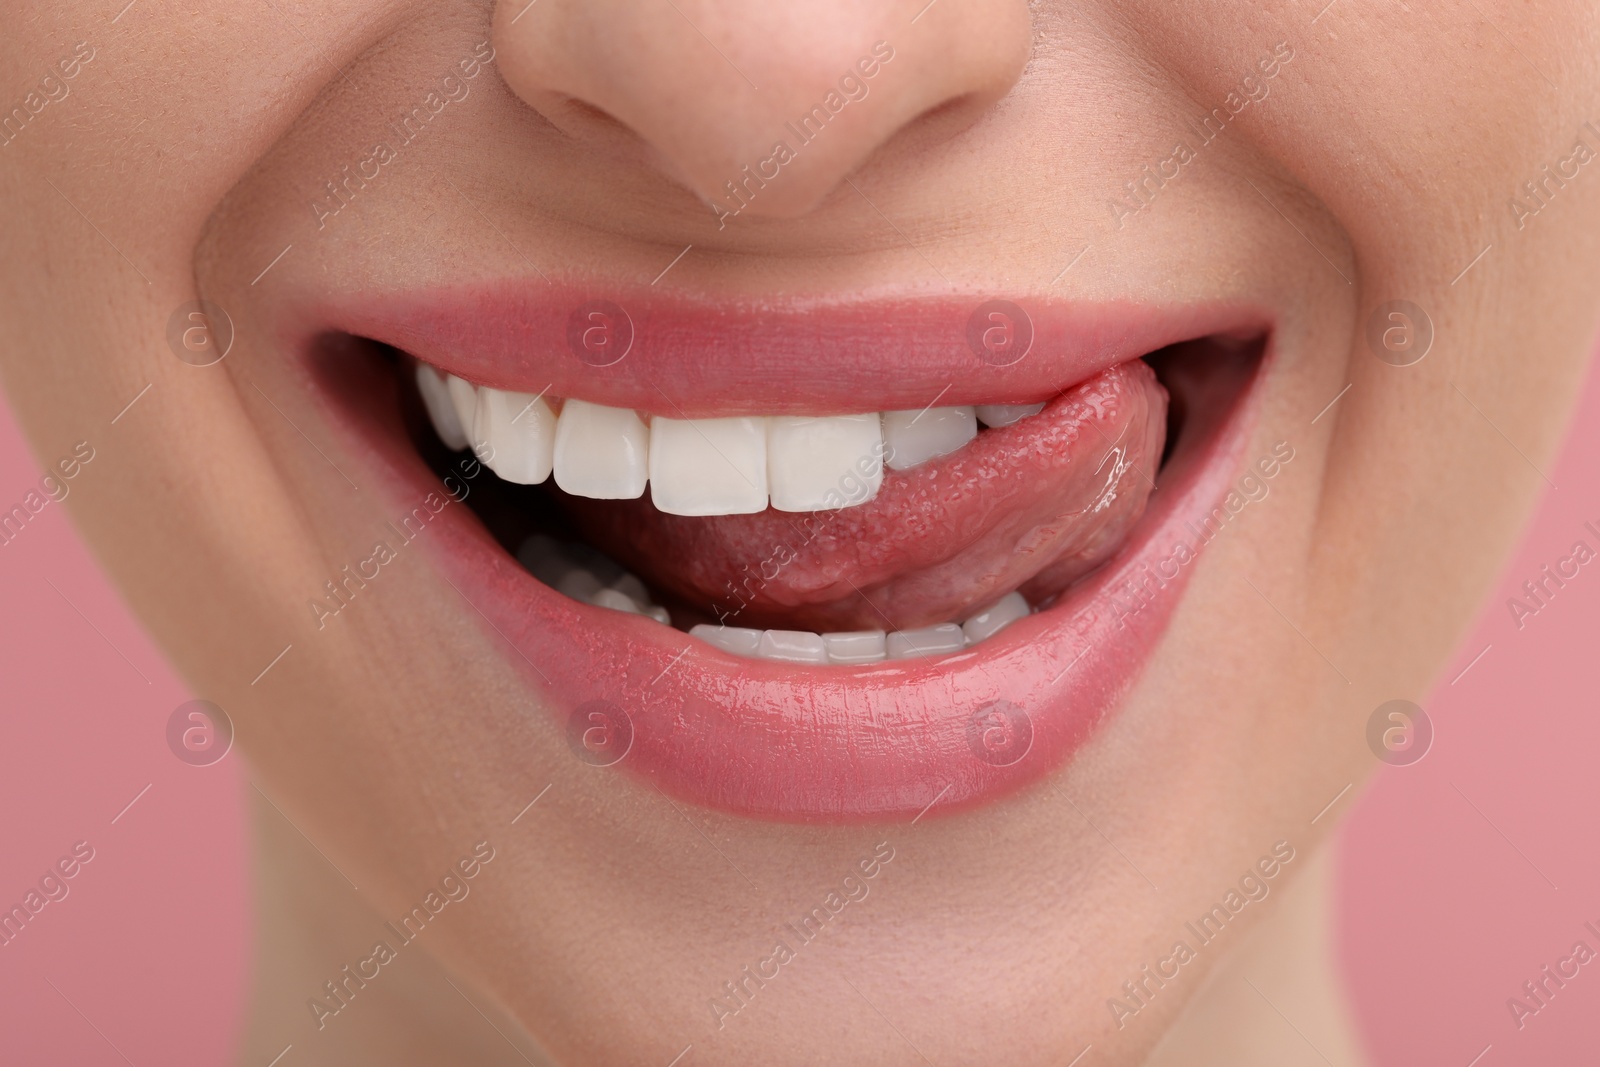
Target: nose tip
[759, 108]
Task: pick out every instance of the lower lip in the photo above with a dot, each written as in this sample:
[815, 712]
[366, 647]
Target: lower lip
[763, 739]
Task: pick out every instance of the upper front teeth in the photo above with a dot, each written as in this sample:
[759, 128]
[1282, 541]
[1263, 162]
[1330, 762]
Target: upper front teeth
[724, 466]
[808, 459]
[708, 466]
[601, 452]
[914, 437]
[519, 431]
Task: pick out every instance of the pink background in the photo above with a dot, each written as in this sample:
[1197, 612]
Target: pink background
[149, 947]
[1448, 868]
[1446, 908]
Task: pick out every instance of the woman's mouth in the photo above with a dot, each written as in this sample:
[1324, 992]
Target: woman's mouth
[795, 595]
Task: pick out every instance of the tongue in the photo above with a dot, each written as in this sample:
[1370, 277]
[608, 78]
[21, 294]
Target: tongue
[1031, 506]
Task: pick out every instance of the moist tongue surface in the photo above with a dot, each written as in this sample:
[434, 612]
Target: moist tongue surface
[1033, 506]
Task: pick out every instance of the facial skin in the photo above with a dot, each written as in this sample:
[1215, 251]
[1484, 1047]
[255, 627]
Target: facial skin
[184, 163]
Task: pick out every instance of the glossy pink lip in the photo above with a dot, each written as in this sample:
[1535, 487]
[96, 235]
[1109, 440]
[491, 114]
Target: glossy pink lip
[812, 744]
[690, 359]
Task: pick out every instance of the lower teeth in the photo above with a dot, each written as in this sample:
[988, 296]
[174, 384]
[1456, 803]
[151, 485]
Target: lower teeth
[590, 577]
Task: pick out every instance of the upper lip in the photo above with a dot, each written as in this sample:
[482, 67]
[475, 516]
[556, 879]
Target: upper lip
[698, 358]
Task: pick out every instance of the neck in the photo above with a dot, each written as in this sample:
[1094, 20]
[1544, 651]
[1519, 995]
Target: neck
[310, 926]
[1297, 999]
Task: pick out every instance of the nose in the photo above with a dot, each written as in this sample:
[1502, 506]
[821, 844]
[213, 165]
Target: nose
[760, 107]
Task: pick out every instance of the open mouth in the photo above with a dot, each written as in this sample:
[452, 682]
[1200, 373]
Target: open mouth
[840, 539]
[799, 596]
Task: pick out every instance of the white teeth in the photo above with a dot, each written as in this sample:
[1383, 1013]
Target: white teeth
[701, 467]
[514, 434]
[464, 398]
[579, 584]
[1008, 610]
[633, 587]
[617, 600]
[601, 452]
[928, 641]
[862, 646]
[610, 598]
[914, 437]
[818, 463]
[571, 571]
[708, 466]
[998, 415]
[792, 646]
[735, 639]
[441, 409]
